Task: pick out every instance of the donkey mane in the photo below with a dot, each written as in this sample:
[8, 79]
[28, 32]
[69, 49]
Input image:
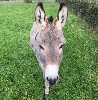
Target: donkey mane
[50, 19]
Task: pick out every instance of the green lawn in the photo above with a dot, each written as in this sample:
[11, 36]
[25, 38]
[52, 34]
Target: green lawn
[20, 74]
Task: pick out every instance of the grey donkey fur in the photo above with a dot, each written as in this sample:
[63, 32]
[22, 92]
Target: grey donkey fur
[46, 39]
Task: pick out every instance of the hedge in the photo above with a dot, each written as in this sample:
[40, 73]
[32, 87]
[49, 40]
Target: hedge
[88, 11]
[28, 1]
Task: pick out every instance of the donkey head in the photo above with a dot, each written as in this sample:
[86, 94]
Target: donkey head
[49, 41]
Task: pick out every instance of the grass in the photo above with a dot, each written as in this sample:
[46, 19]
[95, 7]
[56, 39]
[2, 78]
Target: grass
[20, 74]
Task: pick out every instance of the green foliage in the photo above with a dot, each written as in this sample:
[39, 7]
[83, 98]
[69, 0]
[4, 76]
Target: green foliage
[20, 75]
[28, 1]
[88, 11]
[4, 0]
[92, 15]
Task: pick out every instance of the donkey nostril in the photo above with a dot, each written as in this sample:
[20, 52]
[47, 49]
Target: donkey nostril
[57, 77]
[47, 78]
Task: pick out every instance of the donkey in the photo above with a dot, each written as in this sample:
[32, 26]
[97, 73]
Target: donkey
[47, 40]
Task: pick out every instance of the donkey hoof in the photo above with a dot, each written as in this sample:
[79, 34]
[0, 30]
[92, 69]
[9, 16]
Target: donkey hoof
[45, 97]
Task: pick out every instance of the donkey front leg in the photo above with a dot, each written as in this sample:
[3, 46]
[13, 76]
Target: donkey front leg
[46, 88]
[45, 97]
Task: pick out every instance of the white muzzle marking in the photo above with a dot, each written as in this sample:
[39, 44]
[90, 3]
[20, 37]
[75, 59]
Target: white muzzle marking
[51, 71]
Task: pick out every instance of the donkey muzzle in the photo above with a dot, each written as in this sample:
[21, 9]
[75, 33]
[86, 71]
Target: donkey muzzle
[52, 81]
[51, 74]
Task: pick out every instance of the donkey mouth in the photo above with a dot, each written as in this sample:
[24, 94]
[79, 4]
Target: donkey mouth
[52, 81]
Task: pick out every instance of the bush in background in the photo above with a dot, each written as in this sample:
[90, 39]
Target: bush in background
[28, 1]
[4, 0]
[87, 10]
[92, 16]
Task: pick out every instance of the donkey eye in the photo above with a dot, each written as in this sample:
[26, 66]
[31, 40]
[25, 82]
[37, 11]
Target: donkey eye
[61, 47]
[41, 47]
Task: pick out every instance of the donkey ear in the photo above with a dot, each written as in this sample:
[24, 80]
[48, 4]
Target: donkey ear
[62, 16]
[40, 14]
